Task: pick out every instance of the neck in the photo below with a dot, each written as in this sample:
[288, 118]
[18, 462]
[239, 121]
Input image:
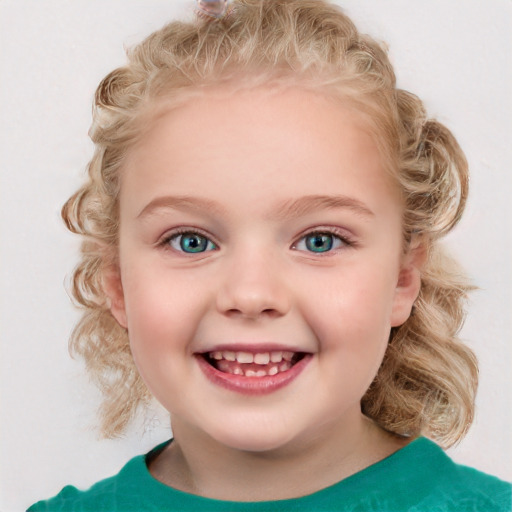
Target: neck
[197, 464]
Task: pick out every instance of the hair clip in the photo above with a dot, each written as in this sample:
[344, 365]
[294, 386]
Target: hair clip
[212, 8]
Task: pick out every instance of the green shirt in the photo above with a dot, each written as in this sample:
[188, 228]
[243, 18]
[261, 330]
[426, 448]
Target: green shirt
[419, 477]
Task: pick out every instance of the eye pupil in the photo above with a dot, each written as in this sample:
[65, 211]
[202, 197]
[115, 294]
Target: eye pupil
[319, 242]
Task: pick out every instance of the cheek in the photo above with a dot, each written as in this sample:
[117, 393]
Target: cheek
[356, 303]
[163, 313]
[163, 308]
[351, 320]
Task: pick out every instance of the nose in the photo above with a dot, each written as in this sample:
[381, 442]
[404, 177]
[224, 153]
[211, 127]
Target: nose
[253, 287]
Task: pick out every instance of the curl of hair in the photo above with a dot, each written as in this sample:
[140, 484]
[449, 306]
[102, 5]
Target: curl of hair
[427, 381]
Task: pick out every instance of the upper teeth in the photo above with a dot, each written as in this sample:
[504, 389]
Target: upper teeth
[276, 356]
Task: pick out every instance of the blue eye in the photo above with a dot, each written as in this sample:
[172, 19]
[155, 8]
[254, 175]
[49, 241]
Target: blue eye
[319, 242]
[191, 243]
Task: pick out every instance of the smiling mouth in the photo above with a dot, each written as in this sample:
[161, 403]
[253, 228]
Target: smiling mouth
[253, 364]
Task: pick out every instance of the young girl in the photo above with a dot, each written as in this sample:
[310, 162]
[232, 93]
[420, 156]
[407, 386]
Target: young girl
[261, 253]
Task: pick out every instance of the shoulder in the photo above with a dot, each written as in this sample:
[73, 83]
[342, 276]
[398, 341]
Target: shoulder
[457, 487]
[121, 492]
[104, 495]
[471, 489]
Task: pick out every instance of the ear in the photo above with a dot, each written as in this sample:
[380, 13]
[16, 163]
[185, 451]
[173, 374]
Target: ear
[113, 288]
[409, 283]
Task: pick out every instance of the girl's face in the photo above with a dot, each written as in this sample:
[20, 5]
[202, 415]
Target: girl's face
[260, 266]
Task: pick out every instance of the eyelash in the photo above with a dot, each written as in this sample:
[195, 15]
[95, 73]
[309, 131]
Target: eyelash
[344, 240]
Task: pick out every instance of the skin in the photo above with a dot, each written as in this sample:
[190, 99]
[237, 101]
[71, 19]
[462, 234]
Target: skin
[251, 155]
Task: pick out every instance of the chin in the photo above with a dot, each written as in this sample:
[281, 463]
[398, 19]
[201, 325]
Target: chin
[257, 440]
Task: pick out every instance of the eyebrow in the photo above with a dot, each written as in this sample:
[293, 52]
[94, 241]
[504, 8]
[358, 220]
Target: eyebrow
[289, 209]
[308, 204]
[180, 203]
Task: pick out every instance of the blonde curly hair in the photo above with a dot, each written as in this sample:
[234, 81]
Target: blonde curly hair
[427, 381]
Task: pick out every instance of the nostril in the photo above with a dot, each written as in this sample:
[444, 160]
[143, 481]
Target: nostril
[253, 314]
[270, 312]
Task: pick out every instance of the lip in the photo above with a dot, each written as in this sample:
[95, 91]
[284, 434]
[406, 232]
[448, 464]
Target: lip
[251, 347]
[252, 385]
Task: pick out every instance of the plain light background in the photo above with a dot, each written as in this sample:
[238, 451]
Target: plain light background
[53, 53]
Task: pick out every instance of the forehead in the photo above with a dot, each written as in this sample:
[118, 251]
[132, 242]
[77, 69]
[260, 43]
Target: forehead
[241, 106]
[292, 138]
